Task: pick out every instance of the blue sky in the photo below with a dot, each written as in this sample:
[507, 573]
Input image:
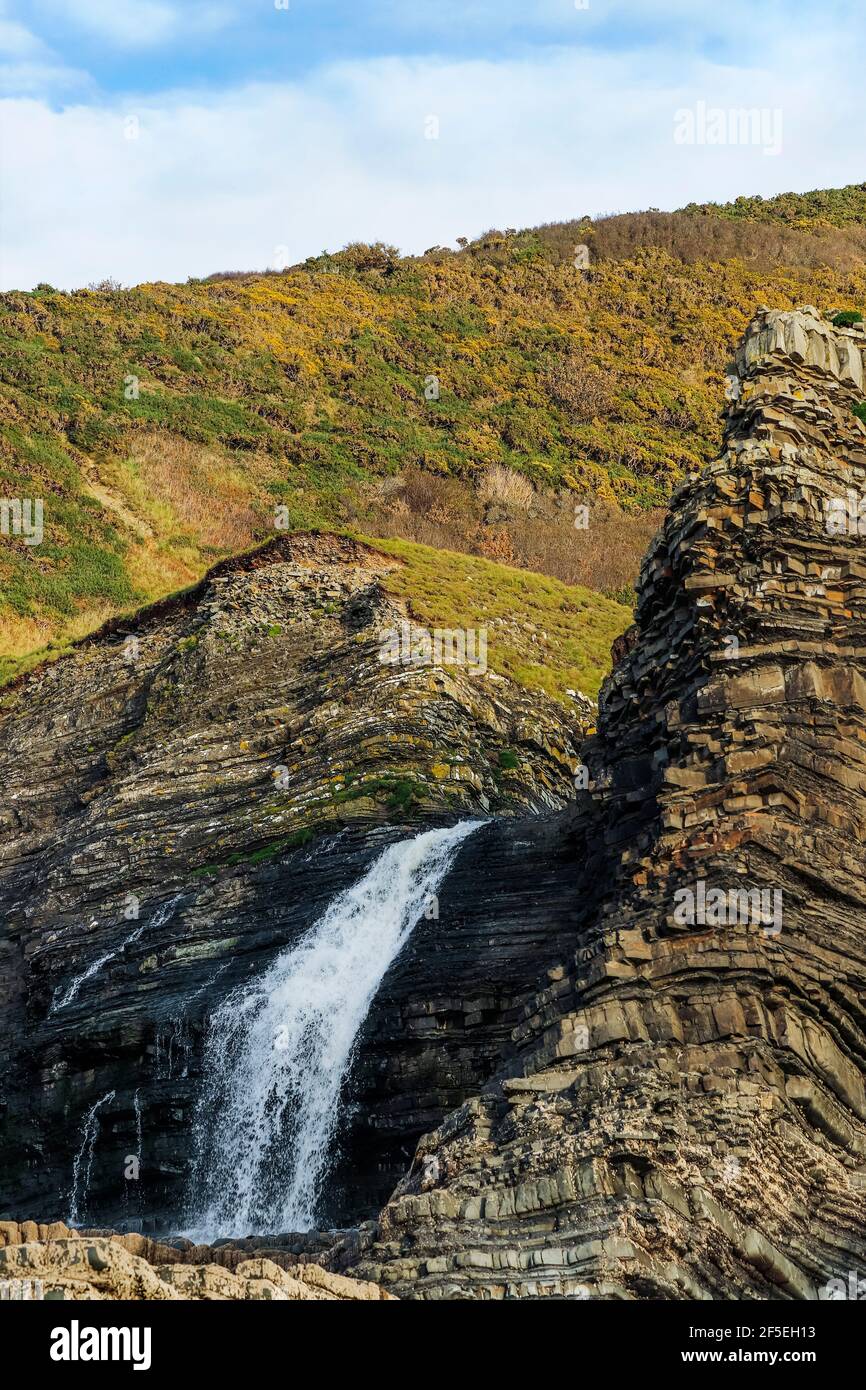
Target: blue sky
[154, 44]
[153, 139]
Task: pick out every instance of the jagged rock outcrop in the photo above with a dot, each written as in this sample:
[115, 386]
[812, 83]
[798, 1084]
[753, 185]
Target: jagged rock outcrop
[56, 1263]
[635, 1034]
[682, 1113]
[181, 798]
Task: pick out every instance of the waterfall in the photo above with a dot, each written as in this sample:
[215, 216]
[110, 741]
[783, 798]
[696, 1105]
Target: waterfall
[84, 1161]
[139, 1139]
[63, 997]
[278, 1049]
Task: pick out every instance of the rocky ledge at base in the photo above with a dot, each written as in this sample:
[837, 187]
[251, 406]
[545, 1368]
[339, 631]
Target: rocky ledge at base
[56, 1263]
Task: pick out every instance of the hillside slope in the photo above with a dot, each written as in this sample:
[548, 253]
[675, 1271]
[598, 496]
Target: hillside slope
[469, 400]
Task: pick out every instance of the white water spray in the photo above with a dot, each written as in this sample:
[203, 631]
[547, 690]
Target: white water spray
[83, 1162]
[63, 997]
[136, 1102]
[279, 1049]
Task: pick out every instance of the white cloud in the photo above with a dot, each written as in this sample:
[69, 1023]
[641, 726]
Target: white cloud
[16, 41]
[221, 182]
[32, 79]
[139, 23]
[28, 66]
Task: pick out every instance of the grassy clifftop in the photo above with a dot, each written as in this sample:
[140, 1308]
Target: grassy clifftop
[466, 399]
[541, 633]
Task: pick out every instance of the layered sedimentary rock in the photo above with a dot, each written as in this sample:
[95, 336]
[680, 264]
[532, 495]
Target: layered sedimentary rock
[681, 1112]
[181, 798]
[59, 1264]
[635, 1033]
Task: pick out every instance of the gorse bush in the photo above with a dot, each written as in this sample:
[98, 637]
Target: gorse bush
[163, 424]
[824, 207]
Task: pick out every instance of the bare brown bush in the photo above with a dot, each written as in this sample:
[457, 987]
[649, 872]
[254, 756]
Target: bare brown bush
[496, 543]
[505, 485]
[694, 237]
[606, 556]
[208, 499]
[449, 514]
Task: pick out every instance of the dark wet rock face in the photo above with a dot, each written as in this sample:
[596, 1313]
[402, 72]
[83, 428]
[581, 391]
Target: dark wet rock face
[444, 1016]
[180, 801]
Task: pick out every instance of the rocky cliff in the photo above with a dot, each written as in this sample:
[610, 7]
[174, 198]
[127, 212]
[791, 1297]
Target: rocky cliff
[682, 1113]
[181, 798]
[633, 1036]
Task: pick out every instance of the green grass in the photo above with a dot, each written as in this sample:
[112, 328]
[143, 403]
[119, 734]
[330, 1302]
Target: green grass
[306, 388]
[541, 633]
[400, 793]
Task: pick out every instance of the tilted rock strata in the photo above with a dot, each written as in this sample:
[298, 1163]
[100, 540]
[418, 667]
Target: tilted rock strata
[667, 1107]
[683, 1114]
[181, 798]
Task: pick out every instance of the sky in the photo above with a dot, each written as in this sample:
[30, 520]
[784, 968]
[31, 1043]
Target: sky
[161, 139]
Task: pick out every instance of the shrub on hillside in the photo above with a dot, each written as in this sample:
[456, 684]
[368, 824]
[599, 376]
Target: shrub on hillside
[512, 489]
[360, 255]
[580, 390]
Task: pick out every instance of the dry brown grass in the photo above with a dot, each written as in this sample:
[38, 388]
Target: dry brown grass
[18, 636]
[501, 484]
[189, 492]
[26, 642]
[21, 635]
[155, 572]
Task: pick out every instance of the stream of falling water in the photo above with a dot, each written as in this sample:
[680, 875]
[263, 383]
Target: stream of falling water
[279, 1048]
[84, 1161]
[64, 997]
